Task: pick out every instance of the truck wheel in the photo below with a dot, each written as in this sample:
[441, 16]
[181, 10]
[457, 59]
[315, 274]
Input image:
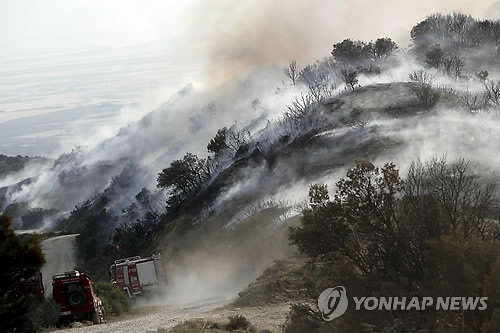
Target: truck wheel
[96, 319]
[76, 299]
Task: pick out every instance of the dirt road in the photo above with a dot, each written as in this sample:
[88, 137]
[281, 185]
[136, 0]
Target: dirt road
[59, 255]
[164, 316]
[267, 317]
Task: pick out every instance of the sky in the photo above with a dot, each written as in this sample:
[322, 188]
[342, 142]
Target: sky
[34, 27]
[69, 66]
[37, 27]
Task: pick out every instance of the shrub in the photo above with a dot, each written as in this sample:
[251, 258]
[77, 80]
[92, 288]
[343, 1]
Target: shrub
[427, 96]
[350, 78]
[483, 75]
[303, 319]
[113, 299]
[238, 322]
[190, 326]
[360, 118]
[46, 314]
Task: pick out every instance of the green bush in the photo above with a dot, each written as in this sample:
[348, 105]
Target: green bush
[114, 300]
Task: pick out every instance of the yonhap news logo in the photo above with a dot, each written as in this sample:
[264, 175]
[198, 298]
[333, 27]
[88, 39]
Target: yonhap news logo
[333, 302]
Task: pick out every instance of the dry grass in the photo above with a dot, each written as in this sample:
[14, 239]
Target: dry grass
[237, 323]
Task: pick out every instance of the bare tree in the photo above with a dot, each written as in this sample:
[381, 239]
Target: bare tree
[291, 72]
[455, 31]
[453, 65]
[492, 94]
[447, 63]
[321, 87]
[360, 118]
[459, 26]
[463, 200]
[458, 66]
[237, 138]
[496, 33]
[329, 63]
[318, 80]
[474, 102]
[421, 76]
[294, 116]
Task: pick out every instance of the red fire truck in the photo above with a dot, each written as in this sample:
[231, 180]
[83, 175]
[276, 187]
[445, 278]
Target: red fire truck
[75, 293]
[34, 285]
[139, 276]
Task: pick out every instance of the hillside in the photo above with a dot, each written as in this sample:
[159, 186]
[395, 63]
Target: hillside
[11, 164]
[260, 180]
[218, 180]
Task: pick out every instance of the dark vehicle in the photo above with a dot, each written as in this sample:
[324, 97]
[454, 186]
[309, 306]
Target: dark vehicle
[138, 276]
[75, 292]
[34, 286]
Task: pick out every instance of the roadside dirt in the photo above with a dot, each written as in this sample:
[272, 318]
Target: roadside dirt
[269, 317]
[285, 281]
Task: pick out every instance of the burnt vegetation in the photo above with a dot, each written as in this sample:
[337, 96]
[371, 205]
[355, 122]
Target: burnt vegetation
[432, 232]
[10, 164]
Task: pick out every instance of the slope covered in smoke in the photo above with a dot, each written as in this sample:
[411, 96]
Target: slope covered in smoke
[146, 145]
[15, 164]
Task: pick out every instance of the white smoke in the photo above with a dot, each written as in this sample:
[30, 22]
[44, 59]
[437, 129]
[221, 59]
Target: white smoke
[185, 123]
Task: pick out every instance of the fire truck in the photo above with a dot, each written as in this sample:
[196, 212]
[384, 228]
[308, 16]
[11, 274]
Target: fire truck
[75, 293]
[137, 276]
[33, 285]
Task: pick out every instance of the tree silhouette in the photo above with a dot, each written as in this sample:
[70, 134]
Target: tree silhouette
[19, 261]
